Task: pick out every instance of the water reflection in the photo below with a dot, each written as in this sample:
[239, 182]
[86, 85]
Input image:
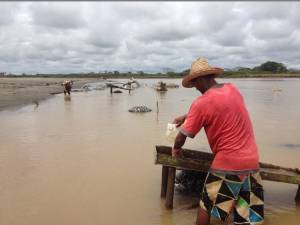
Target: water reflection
[67, 98]
[162, 94]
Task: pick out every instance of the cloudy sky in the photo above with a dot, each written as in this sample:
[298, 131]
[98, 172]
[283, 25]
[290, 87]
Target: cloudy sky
[63, 37]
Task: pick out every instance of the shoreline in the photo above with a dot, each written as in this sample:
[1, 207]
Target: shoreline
[16, 92]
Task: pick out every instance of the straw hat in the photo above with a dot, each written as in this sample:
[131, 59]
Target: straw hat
[200, 68]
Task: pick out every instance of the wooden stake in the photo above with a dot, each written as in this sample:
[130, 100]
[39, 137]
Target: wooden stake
[164, 181]
[297, 198]
[170, 188]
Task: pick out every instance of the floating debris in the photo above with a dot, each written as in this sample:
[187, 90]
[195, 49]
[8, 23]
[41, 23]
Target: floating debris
[172, 85]
[117, 91]
[291, 146]
[78, 90]
[94, 86]
[277, 90]
[140, 109]
[131, 84]
[161, 86]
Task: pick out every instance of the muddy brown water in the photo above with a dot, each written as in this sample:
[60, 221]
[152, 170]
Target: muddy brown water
[87, 160]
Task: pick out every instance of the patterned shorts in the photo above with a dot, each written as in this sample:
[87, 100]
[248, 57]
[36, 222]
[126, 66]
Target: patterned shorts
[242, 194]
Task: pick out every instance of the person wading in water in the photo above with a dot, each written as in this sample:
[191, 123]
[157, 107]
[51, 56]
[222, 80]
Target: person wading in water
[67, 86]
[233, 183]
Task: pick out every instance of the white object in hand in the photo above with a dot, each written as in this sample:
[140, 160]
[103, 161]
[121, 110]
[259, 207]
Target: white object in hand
[171, 132]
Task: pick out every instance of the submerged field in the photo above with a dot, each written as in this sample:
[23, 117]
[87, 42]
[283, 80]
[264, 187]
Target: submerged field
[85, 159]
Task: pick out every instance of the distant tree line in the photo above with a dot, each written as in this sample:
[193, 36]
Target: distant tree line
[273, 67]
[266, 69]
[269, 68]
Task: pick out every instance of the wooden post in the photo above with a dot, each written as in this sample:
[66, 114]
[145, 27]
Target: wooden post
[129, 87]
[164, 181]
[170, 188]
[297, 198]
[111, 89]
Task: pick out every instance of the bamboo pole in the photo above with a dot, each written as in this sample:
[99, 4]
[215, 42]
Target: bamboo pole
[164, 181]
[170, 188]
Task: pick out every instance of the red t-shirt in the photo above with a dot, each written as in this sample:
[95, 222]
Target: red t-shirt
[222, 113]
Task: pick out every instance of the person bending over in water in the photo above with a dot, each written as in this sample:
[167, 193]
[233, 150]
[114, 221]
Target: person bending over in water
[233, 183]
[68, 86]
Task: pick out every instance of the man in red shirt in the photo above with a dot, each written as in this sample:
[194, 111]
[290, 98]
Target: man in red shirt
[233, 182]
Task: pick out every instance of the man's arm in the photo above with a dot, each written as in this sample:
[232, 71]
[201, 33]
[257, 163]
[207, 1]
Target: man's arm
[179, 120]
[179, 142]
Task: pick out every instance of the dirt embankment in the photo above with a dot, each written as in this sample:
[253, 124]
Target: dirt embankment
[15, 92]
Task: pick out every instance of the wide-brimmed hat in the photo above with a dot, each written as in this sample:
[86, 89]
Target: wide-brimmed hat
[200, 68]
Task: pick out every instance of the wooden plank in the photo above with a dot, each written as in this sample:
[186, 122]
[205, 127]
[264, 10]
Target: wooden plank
[186, 153]
[209, 156]
[164, 181]
[182, 163]
[195, 160]
[275, 175]
[170, 188]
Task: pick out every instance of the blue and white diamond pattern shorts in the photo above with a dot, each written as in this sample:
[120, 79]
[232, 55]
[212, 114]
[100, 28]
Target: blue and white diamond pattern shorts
[224, 193]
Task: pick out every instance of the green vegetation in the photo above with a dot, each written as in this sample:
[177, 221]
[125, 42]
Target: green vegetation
[273, 67]
[267, 69]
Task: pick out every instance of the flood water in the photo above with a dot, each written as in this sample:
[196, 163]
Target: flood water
[87, 160]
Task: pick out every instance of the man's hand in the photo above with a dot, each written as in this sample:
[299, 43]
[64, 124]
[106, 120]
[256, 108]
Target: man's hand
[179, 120]
[177, 153]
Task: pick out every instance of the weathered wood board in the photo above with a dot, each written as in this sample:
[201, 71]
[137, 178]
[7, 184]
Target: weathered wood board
[201, 161]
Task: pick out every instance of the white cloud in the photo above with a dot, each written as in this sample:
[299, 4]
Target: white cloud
[57, 15]
[272, 28]
[49, 37]
[8, 10]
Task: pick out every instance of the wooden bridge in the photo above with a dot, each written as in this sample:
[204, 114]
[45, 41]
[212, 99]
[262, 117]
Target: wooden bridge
[201, 161]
